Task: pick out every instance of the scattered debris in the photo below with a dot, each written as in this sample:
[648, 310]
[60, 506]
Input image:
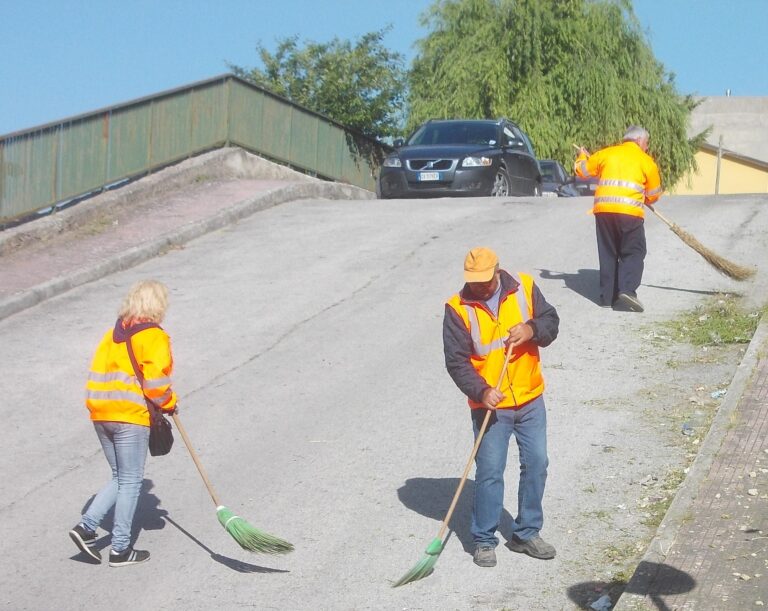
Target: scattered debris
[602, 604]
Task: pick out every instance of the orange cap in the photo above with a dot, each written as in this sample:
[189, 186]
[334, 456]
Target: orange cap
[480, 265]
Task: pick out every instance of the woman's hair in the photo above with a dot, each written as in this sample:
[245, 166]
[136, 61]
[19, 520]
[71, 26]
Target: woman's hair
[147, 301]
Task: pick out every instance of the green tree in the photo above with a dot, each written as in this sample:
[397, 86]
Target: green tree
[568, 71]
[361, 86]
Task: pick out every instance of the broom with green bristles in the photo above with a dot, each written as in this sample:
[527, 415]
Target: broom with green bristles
[427, 563]
[248, 537]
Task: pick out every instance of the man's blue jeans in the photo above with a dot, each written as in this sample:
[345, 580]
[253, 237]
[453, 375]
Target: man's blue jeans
[529, 426]
[125, 446]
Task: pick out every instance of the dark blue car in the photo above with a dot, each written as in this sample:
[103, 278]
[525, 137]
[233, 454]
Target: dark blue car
[461, 157]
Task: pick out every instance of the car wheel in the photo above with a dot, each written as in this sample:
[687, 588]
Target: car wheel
[500, 184]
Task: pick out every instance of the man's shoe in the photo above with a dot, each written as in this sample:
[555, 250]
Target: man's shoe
[128, 557]
[535, 547]
[484, 555]
[630, 302]
[84, 539]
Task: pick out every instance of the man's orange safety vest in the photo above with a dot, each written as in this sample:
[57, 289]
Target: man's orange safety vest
[523, 381]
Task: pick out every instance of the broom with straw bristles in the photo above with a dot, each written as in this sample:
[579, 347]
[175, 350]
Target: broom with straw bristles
[425, 566]
[248, 537]
[721, 264]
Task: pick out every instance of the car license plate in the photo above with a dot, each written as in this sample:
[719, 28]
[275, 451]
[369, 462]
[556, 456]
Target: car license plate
[429, 176]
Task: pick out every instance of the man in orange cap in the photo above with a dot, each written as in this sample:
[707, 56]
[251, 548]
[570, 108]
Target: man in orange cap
[492, 311]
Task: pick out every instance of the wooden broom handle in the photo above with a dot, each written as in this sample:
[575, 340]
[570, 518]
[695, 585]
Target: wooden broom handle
[198, 464]
[660, 215]
[480, 434]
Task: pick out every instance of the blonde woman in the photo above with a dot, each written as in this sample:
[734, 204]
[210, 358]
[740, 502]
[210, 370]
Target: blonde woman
[116, 401]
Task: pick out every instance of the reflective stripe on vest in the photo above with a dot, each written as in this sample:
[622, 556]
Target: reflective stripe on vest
[478, 346]
[114, 395]
[615, 199]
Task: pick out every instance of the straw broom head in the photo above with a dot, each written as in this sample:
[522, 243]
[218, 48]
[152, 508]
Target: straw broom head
[730, 269]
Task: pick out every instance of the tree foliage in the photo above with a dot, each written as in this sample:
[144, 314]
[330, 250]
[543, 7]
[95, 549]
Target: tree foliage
[568, 71]
[361, 86]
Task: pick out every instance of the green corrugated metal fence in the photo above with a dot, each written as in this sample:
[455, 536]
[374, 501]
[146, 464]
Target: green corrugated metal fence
[57, 162]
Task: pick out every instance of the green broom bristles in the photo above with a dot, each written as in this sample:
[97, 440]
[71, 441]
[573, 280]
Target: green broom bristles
[424, 566]
[249, 537]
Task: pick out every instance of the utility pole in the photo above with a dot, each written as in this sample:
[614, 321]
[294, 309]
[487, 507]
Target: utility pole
[719, 158]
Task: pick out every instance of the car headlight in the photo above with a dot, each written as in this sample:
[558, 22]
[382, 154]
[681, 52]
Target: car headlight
[476, 162]
[392, 162]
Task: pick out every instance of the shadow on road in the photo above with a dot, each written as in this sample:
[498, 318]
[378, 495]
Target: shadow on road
[431, 497]
[585, 282]
[235, 565]
[150, 516]
[651, 579]
[679, 290]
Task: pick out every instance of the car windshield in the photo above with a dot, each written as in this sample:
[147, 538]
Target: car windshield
[455, 133]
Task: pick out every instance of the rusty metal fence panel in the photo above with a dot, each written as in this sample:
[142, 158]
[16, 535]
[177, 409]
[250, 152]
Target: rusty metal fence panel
[54, 163]
[81, 156]
[129, 141]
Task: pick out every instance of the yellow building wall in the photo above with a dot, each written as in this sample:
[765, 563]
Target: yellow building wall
[735, 177]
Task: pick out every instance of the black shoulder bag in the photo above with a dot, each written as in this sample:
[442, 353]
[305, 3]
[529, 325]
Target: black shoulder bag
[160, 430]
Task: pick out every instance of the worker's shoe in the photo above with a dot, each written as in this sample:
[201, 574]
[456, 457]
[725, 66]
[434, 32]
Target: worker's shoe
[629, 302]
[484, 555]
[535, 547]
[128, 557]
[84, 539]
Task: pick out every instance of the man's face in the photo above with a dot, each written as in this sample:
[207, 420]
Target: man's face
[484, 290]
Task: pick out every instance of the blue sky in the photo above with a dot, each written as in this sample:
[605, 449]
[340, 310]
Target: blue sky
[66, 58]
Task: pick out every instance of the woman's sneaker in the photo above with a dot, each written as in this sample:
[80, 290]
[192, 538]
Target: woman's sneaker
[128, 557]
[85, 539]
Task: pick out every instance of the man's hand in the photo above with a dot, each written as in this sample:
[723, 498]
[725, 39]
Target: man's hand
[491, 398]
[581, 149]
[519, 334]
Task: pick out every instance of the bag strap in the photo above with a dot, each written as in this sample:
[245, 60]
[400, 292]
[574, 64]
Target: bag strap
[154, 411]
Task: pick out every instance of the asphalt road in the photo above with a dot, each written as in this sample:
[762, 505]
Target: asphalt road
[307, 341]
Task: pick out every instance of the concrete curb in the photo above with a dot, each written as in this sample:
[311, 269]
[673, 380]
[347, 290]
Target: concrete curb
[634, 596]
[181, 235]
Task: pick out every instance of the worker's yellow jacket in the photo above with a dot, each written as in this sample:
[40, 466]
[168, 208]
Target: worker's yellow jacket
[113, 392]
[629, 178]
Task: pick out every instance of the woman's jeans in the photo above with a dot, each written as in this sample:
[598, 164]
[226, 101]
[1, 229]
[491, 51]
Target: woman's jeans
[529, 426]
[125, 446]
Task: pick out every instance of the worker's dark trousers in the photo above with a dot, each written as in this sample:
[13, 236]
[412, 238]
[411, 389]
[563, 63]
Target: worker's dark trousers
[621, 251]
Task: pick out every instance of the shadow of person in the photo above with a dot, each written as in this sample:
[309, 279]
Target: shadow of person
[235, 565]
[585, 282]
[148, 516]
[651, 579]
[431, 497]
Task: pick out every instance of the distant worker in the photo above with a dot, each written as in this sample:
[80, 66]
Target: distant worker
[629, 179]
[492, 311]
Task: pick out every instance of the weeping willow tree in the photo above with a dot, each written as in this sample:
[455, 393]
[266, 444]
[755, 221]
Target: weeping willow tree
[568, 71]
